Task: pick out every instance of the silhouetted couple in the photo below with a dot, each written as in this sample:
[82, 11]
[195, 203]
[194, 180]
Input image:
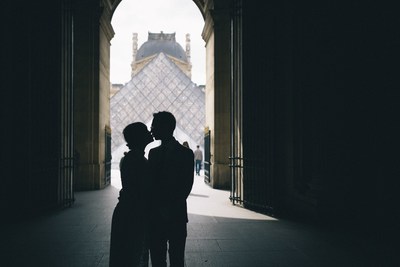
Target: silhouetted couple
[151, 214]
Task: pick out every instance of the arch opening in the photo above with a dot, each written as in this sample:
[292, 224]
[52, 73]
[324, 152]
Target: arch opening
[157, 62]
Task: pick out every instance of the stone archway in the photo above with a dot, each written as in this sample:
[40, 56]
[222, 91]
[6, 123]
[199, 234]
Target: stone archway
[216, 34]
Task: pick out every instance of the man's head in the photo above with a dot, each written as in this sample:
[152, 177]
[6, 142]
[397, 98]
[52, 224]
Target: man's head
[163, 125]
[137, 135]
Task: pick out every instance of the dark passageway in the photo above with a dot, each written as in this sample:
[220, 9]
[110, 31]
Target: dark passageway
[219, 235]
[302, 116]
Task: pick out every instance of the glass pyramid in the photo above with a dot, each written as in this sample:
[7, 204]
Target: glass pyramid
[159, 86]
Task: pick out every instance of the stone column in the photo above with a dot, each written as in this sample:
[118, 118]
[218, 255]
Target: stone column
[134, 52]
[216, 34]
[188, 55]
[93, 33]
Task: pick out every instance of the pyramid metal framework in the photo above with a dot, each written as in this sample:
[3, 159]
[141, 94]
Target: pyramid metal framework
[159, 86]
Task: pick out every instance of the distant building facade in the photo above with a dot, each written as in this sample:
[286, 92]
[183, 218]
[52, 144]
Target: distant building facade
[161, 80]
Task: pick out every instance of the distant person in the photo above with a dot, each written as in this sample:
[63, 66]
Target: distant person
[198, 157]
[172, 172]
[128, 228]
[186, 144]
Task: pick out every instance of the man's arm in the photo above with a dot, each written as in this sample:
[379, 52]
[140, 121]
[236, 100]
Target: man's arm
[188, 173]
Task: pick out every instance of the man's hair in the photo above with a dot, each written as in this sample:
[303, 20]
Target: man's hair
[166, 120]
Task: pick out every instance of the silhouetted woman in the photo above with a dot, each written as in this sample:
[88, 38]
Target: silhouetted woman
[128, 229]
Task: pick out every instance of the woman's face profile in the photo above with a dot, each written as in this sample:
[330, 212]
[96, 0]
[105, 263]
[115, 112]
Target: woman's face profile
[148, 137]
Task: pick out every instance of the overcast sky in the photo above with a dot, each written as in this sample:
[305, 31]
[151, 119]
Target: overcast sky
[179, 16]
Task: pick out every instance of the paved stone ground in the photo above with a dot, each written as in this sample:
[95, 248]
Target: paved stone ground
[219, 234]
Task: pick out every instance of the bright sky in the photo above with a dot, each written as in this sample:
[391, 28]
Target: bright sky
[179, 16]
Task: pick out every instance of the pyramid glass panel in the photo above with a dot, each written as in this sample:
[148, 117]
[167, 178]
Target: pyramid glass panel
[160, 85]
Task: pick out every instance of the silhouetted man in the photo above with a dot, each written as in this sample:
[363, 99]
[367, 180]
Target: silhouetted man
[172, 171]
